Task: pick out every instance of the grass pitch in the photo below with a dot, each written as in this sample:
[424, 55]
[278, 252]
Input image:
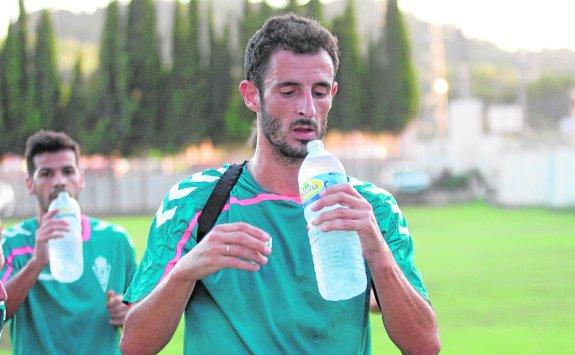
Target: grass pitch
[502, 281]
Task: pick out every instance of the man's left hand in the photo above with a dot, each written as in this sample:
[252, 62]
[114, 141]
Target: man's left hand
[116, 309]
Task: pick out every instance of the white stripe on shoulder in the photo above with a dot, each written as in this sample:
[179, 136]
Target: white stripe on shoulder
[177, 193]
[164, 216]
[200, 177]
[101, 226]
[16, 230]
[403, 230]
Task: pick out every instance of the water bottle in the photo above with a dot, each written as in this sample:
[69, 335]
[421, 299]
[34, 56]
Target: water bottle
[337, 256]
[66, 256]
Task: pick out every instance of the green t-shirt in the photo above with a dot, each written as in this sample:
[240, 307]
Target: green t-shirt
[277, 309]
[59, 318]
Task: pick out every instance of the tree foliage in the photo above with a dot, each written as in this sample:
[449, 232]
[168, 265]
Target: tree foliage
[144, 70]
[346, 111]
[110, 119]
[134, 102]
[396, 96]
[45, 76]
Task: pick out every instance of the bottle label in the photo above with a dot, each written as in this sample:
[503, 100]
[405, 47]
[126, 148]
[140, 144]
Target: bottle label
[311, 189]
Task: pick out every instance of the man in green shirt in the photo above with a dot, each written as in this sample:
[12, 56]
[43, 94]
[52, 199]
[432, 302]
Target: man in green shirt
[250, 300]
[46, 316]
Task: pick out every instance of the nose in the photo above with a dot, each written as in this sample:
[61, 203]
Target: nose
[306, 106]
[59, 180]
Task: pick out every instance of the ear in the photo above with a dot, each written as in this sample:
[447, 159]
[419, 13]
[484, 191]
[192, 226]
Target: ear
[251, 95]
[30, 184]
[334, 89]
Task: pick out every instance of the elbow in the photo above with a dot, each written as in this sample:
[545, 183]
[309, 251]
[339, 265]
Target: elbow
[430, 344]
[430, 347]
[434, 347]
[130, 347]
[128, 342]
[126, 345]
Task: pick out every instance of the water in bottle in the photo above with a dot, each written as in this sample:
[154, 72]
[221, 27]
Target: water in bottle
[337, 255]
[66, 256]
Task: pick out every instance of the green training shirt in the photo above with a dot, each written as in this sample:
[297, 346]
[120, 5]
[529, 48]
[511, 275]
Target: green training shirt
[70, 318]
[277, 309]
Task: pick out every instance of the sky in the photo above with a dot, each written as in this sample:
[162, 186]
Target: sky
[509, 24]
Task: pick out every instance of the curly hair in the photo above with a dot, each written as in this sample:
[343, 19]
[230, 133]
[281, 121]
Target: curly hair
[289, 32]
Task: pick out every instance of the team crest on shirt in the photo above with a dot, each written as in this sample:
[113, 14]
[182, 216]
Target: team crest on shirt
[102, 268]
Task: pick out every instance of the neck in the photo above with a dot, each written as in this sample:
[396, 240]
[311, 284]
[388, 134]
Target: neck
[41, 213]
[274, 173]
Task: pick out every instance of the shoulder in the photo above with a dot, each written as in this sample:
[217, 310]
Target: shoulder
[372, 193]
[21, 234]
[189, 195]
[384, 205]
[110, 231]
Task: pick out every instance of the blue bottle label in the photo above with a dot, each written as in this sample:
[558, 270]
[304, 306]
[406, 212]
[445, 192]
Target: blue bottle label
[311, 189]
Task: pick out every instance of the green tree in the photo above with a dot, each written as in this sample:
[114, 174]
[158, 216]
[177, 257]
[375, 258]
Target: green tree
[220, 81]
[14, 73]
[397, 94]
[3, 142]
[293, 6]
[238, 119]
[75, 110]
[196, 121]
[144, 70]
[46, 89]
[110, 121]
[347, 107]
[314, 9]
[178, 82]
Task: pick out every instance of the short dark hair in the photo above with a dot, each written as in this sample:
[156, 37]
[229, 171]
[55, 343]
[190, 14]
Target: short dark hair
[290, 32]
[48, 141]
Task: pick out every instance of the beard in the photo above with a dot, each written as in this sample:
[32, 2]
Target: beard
[277, 138]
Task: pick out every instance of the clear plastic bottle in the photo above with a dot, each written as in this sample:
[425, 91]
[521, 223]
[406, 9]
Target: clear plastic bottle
[337, 255]
[66, 255]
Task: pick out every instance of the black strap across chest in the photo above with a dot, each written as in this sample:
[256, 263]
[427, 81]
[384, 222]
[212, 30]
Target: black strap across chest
[218, 199]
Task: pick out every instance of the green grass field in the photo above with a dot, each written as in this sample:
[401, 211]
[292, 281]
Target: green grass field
[502, 281]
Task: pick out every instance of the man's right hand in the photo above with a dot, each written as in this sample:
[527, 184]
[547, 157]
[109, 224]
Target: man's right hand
[233, 245]
[50, 228]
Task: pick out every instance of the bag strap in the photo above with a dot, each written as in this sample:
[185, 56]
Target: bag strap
[217, 199]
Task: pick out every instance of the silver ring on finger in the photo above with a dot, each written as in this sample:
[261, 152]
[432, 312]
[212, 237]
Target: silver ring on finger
[228, 250]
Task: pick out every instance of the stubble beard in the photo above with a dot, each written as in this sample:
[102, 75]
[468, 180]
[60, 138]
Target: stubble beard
[273, 133]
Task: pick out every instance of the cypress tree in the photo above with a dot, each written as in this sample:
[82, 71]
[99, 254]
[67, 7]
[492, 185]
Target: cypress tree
[397, 91]
[238, 118]
[3, 141]
[143, 72]
[347, 108]
[110, 120]
[46, 90]
[178, 82]
[75, 110]
[22, 47]
[14, 85]
[314, 10]
[196, 120]
[292, 6]
[220, 83]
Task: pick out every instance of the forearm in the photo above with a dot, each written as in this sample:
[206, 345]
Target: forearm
[408, 318]
[18, 287]
[151, 323]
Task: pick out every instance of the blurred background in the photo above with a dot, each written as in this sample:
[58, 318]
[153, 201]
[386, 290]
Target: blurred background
[465, 111]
